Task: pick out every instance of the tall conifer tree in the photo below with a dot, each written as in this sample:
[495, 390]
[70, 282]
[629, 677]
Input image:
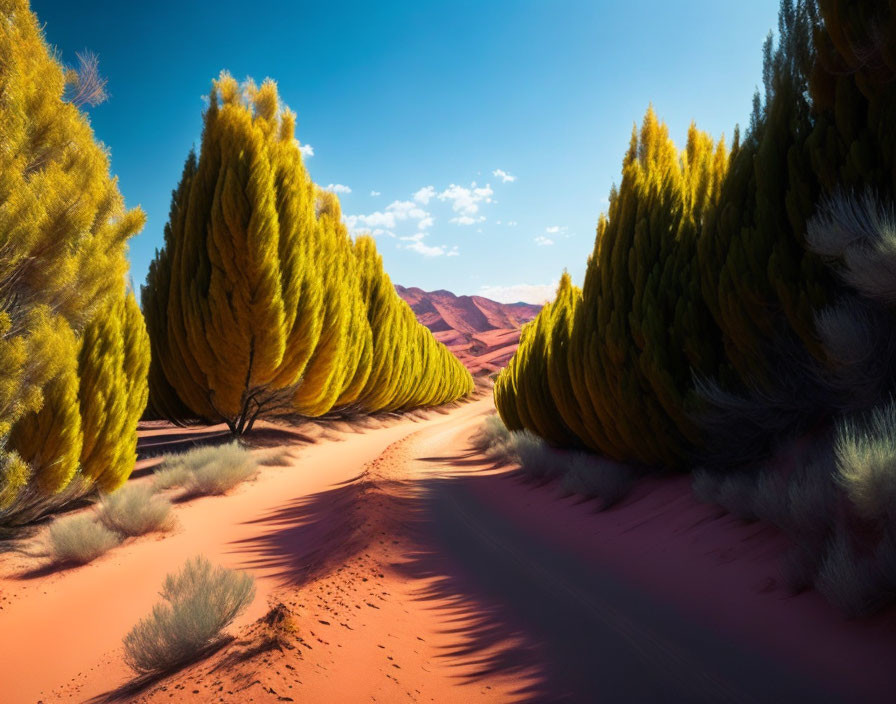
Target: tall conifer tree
[63, 234]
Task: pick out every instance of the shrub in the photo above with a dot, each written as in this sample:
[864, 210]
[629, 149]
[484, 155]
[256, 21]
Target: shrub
[597, 478]
[705, 486]
[491, 432]
[811, 498]
[866, 463]
[736, 492]
[232, 466]
[849, 580]
[135, 510]
[206, 470]
[501, 451]
[170, 477]
[200, 601]
[80, 539]
[536, 457]
[770, 498]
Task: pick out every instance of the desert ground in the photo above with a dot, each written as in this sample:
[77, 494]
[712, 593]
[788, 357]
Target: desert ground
[395, 563]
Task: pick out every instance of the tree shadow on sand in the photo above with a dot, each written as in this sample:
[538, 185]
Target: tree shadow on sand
[317, 535]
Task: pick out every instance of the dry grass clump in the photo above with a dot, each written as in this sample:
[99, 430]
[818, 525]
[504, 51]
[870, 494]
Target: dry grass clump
[495, 441]
[491, 432]
[276, 458]
[200, 601]
[579, 472]
[536, 457]
[77, 540]
[206, 470]
[170, 476]
[135, 510]
[597, 478]
[850, 581]
[866, 463]
[518, 447]
[845, 483]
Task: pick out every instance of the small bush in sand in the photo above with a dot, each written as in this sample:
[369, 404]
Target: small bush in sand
[230, 469]
[170, 477]
[135, 510]
[735, 494]
[536, 457]
[597, 478]
[495, 441]
[498, 443]
[200, 601]
[580, 473]
[276, 458]
[501, 451]
[866, 463]
[811, 499]
[850, 581]
[77, 540]
[769, 500]
[491, 431]
[206, 470]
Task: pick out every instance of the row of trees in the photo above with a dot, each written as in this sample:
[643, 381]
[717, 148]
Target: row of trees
[700, 330]
[261, 304]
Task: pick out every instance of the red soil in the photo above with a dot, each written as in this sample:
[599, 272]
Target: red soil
[369, 591]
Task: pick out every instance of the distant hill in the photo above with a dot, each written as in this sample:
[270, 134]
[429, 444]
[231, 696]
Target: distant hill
[482, 333]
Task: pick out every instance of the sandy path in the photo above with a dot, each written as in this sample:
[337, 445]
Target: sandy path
[412, 570]
[58, 629]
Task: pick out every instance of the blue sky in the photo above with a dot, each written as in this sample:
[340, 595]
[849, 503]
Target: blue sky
[478, 139]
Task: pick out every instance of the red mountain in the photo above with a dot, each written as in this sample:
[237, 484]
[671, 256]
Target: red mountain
[482, 333]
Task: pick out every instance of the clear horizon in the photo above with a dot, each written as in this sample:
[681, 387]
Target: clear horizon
[458, 136]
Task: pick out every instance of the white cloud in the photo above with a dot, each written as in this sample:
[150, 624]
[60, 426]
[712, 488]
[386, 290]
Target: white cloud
[425, 194]
[542, 241]
[426, 250]
[307, 150]
[337, 188]
[555, 229]
[378, 219]
[406, 209]
[397, 211]
[527, 293]
[466, 201]
[465, 204]
[467, 219]
[503, 175]
[375, 193]
[417, 245]
[512, 223]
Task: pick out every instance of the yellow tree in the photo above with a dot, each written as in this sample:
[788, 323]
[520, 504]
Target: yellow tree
[234, 300]
[334, 363]
[259, 303]
[523, 391]
[113, 390]
[409, 367]
[85, 433]
[642, 327]
[611, 367]
[63, 228]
